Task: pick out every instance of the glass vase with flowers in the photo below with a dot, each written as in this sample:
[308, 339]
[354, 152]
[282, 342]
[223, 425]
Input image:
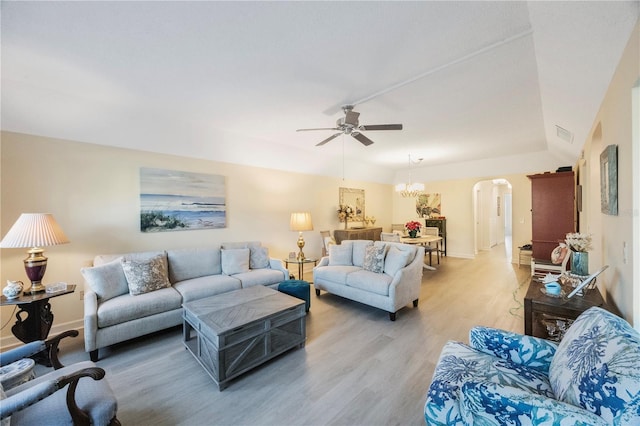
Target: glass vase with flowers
[345, 213]
[579, 244]
[413, 228]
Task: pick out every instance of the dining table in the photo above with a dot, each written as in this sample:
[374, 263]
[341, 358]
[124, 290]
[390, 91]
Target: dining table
[425, 240]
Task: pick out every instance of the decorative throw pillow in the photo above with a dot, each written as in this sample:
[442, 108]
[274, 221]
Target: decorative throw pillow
[396, 259]
[144, 276]
[558, 254]
[235, 261]
[340, 255]
[258, 257]
[374, 259]
[107, 281]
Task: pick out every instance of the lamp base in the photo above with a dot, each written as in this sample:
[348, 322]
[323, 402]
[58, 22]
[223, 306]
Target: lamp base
[300, 243]
[35, 266]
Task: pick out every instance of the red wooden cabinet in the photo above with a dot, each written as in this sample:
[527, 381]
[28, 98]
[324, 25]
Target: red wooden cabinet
[552, 211]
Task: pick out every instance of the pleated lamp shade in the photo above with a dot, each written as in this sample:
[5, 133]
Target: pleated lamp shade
[34, 230]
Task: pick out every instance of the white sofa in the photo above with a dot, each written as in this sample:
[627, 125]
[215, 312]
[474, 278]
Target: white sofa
[130, 295]
[384, 275]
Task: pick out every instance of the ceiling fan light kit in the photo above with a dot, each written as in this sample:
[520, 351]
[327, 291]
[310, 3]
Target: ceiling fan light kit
[349, 125]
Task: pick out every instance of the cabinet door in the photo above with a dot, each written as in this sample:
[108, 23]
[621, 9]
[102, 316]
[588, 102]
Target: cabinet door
[552, 211]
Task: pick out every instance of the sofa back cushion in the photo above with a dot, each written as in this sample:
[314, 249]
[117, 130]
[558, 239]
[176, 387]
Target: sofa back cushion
[395, 260]
[107, 280]
[597, 365]
[358, 250]
[185, 264]
[340, 255]
[235, 261]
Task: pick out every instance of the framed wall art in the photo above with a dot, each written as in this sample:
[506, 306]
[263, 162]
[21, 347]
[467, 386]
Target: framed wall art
[609, 180]
[428, 205]
[172, 200]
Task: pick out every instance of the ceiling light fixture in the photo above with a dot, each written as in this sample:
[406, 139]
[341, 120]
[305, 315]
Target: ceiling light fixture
[410, 189]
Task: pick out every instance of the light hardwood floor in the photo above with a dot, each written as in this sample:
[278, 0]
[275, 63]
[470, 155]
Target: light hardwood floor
[357, 368]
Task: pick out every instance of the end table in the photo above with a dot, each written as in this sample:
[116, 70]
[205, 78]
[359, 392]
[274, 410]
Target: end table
[300, 264]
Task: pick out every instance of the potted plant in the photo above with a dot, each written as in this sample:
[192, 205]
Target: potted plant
[413, 228]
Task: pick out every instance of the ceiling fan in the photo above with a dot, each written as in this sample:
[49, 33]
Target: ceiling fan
[349, 125]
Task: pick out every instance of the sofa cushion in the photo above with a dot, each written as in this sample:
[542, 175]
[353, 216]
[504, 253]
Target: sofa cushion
[340, 255]
[258, 257]
[596, 365]
[263, 276]
[255, 256]
[336, 274]
[235, 261]
[210, 285]
[370, 281]
[359, 247]
[107, 280]
[144, 276]
[101, 259]
[395, 260]
[127, 307]
[185, 264]
[459, 363]
[374, 259]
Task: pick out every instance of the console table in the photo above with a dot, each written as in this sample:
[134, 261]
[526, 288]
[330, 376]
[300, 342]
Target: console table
[357, 234]
[549, 317]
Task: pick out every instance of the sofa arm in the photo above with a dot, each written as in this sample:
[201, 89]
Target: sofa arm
[278, 265]
[493, 403]
[90, 320]
[324, 261]
[530, 351]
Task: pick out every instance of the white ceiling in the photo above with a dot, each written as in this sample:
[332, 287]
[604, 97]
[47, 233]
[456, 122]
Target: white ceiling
[478, 86]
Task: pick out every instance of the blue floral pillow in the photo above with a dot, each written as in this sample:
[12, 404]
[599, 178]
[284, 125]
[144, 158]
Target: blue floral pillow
[597, 366]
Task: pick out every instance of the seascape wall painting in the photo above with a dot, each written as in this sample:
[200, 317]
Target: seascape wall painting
[174, 201]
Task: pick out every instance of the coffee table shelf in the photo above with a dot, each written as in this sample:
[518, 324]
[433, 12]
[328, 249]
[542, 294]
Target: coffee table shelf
[233, 332]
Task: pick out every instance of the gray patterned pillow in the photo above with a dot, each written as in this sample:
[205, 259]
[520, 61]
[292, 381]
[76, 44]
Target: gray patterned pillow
[259, 258]
[144, 276]
[374, 259]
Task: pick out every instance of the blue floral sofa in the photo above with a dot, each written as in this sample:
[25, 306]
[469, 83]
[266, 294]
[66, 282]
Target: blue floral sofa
[592, 377]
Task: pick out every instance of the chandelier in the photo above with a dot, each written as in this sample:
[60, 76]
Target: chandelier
[410, 189]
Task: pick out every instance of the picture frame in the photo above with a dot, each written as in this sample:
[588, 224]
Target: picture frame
[609, 180]
[355, 198]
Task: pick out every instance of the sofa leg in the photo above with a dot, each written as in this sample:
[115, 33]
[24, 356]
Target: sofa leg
[94, 355]
[392, 316]
[415, 303]
[317, 292]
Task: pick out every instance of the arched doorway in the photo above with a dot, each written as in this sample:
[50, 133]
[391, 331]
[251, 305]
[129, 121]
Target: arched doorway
[493, 215]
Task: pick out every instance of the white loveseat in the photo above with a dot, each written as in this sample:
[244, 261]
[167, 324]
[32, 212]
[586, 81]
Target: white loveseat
[130, 295]
[381, 274]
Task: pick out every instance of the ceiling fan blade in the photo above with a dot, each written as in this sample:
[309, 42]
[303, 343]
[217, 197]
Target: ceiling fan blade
[330, 138]
[362, 138]
[320, 128]
[381, 127]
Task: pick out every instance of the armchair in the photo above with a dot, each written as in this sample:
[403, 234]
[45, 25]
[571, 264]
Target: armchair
[590, 377]
[38, 401]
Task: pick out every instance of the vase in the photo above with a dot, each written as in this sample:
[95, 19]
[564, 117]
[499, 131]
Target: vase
[580, 263]
[413, 234]
[345, 223]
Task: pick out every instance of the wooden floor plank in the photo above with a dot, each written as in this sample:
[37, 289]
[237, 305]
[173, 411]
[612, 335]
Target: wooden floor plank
[357, 368]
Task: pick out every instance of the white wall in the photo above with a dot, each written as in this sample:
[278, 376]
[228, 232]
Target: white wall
[93, 192]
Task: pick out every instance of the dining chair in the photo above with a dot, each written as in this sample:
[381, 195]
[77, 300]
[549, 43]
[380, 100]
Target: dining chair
[390, 237]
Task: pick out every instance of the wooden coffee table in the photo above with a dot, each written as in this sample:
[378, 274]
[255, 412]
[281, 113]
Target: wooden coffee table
[233, 332]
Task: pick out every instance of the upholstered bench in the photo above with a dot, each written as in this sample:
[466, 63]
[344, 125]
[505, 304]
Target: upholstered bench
[297, 288]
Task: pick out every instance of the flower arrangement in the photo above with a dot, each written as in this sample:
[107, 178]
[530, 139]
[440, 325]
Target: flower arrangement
[578, 242]
[345, 212]
[413, 226]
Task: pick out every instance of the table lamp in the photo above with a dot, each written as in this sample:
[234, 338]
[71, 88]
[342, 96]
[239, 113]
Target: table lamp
[301, 221]
[34, 230]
